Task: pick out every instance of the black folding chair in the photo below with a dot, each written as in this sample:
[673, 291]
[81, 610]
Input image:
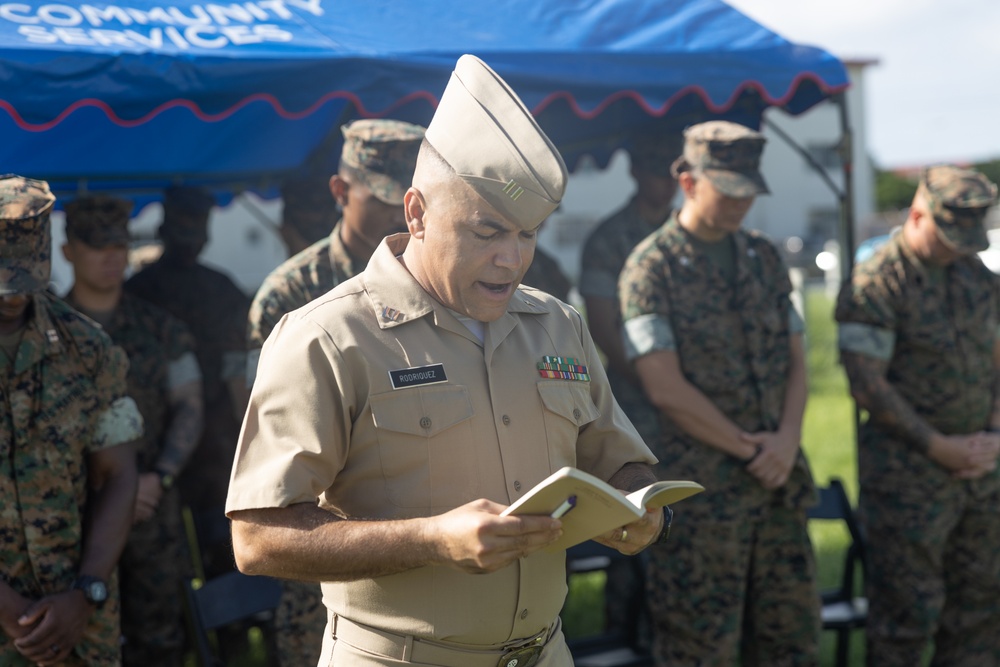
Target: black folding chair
[843, 611]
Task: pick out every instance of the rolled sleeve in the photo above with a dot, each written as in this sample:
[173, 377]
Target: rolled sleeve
[182, 371]
[866, 339]
[647, 333]
[118, 424]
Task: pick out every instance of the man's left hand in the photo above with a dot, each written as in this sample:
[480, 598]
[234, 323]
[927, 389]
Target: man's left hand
[773, 464]
[636, 536]
[59, 621]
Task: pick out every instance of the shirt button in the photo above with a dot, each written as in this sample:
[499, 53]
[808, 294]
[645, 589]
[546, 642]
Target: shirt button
[425, 422]
[506, 420]
[524, 614]
[576, 414]
[517, 486]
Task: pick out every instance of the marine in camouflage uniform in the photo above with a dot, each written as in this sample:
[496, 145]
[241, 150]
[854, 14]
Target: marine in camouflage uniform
[165, 382]
[919, 340]
[717, 345]
[65, 425]
[544, 274]
[215, 311]
[308, 212]
[604, 254]
[376, 167]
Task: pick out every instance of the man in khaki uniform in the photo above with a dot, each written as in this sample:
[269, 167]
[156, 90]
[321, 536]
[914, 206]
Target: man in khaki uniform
[409, 401]
[376, 167]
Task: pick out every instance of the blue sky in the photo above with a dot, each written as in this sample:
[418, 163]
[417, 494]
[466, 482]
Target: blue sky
[935, 94]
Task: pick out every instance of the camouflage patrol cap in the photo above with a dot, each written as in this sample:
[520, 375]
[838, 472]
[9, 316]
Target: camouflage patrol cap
[655, 152]
[185, 214]
[483, 130]
[383, 154]
[98, 221]
[25, 235]
[958, 199]
[728, 154]
[308, 207]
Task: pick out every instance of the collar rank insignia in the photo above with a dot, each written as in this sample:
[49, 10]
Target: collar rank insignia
[563, 368]
[52, 335]
[390, 314]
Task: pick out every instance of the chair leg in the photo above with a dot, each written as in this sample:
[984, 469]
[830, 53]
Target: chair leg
[843, 647]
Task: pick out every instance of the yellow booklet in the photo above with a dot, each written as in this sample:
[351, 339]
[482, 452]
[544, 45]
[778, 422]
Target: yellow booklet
[588, 506]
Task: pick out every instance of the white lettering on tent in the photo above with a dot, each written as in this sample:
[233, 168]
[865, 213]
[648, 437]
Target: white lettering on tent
[311, 6]
[202, 37]
[97, 17]
[221, 14]
[7, 12]
[276, 6]
[51, 14]
[204, 26]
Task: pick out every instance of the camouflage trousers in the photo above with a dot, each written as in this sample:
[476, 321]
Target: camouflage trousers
[736, 587]
[934, 574]
[299, 624]
[152, 568]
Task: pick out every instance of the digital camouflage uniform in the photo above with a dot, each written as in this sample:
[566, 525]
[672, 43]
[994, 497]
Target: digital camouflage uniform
[155, 561]
[61, 398]
[934, 564]
[215, 312]
[382, 153]
[545, 274]
[300, 279]
[601, 262]
[738, 543]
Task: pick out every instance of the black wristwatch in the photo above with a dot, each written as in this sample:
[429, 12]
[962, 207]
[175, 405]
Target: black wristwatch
[668, 518]
[94, 589]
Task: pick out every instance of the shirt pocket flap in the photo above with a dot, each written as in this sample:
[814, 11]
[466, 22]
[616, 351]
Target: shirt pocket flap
[570, 400]
[422, 412]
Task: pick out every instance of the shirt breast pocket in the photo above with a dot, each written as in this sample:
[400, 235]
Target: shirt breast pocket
[426, 446]
[568, 408]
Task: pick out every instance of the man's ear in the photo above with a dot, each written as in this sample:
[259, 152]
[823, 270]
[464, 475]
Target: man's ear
[415, 209]
[685, 180]
[339, 188]
[67, 252]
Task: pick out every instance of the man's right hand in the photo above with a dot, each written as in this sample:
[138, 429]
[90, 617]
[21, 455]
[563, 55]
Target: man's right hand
[474, 538]
[12, 606]
[966, 456]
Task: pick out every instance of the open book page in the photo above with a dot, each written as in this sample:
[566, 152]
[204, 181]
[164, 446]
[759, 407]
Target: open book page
[595, 506]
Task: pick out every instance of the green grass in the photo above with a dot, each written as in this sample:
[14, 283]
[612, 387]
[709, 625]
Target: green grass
[828, 439]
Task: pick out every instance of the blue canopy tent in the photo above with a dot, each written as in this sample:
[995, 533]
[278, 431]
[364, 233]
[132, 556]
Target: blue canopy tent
[139, 94]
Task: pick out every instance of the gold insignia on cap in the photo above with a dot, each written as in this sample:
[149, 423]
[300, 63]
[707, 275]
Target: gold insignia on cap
[513, 190]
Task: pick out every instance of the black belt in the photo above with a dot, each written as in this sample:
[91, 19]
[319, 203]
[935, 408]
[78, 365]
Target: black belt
[517, 653]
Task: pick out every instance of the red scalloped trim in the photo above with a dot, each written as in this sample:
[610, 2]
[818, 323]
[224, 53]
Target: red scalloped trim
[356, 101]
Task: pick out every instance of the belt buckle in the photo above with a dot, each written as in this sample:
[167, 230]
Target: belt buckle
[526, 656]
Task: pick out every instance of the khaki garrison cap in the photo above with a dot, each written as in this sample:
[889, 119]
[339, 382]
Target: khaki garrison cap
[25, 235]
[958, 200]
[728, 154]
[484, 131]
[98, 221]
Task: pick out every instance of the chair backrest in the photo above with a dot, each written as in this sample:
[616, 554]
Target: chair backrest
[224, 600]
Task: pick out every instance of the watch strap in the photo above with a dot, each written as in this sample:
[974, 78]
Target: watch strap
[668, 518]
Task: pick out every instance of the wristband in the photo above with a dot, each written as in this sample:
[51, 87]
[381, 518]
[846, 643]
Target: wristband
[756, 453]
